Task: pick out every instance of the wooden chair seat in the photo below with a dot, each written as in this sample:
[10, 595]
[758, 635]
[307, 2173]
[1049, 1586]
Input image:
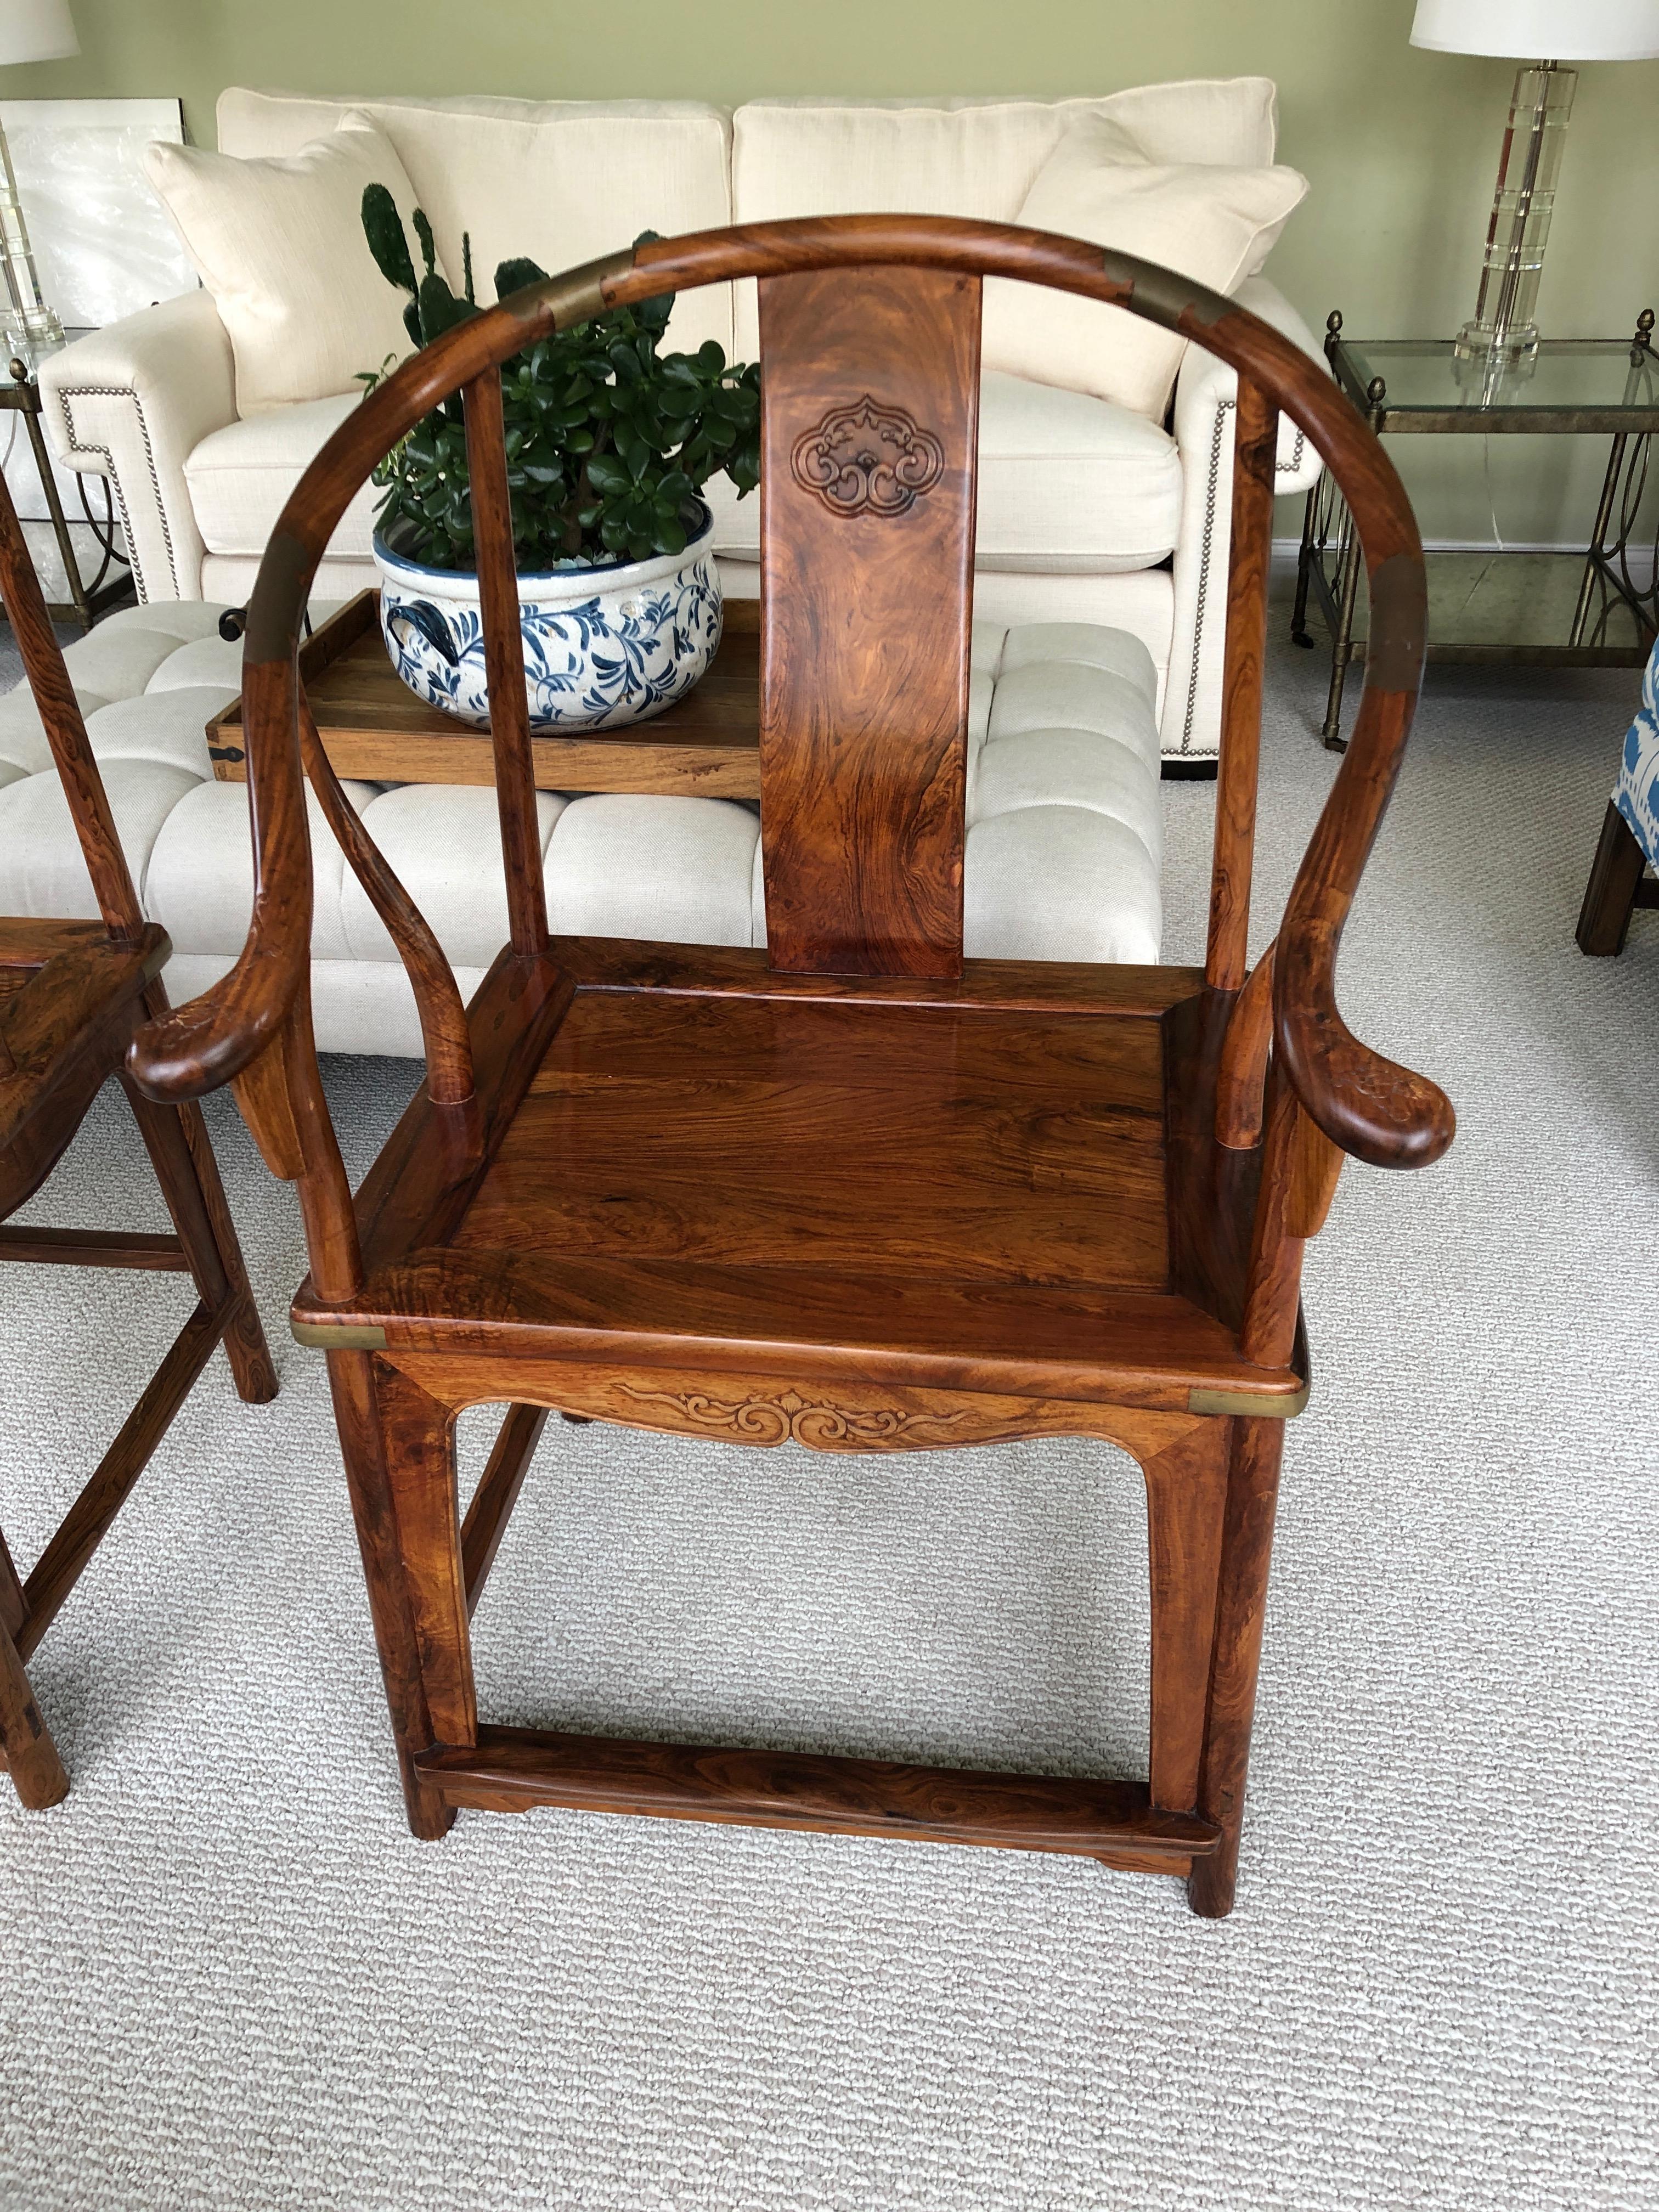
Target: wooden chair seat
[687, 1146]
[70, 1001]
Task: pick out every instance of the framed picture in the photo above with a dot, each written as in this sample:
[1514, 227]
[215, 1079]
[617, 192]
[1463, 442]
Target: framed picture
[103, 245]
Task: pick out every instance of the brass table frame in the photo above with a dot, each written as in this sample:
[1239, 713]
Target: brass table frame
[20, 394]
[1328, 564]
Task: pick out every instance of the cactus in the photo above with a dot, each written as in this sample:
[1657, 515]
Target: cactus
[609, 441]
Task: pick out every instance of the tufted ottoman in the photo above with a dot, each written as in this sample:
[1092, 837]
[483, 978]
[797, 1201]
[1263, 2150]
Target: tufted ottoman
[1063, 848]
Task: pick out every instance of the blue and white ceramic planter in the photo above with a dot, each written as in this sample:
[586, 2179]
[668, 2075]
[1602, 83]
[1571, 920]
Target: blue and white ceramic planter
[602, 647]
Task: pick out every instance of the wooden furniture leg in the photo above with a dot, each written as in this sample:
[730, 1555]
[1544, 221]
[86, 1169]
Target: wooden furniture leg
[1615, 890]
[13, 1605]
[355, 1380]
[88, 1521]
[176, 1139]
[37, 1771]
[27, 1751]
[498, 1494]
[1246, 1549]
[419, 1438]
[1186, 1504]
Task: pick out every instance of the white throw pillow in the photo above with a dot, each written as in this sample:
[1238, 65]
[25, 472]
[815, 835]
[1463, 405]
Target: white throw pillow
[279, 245]
[1213, 224]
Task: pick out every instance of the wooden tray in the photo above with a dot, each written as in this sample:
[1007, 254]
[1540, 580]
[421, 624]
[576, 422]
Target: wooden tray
[373, 727]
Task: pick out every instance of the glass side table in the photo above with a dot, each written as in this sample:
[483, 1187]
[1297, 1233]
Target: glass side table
[1585, 610]
[20, 394]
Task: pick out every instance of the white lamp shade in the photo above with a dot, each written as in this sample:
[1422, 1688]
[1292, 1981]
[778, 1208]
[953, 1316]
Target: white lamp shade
[36, 30]
[1540, 30]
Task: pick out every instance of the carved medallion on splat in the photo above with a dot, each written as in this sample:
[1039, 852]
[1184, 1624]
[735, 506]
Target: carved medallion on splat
[867, 460]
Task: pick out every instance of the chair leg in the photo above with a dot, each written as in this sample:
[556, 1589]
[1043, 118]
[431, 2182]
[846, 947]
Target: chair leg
[36, 1769]
[1186, 1501]
[14, 1606]
[1246, 1550]
[176, 1139]
[1615, 876]
[398, 1445]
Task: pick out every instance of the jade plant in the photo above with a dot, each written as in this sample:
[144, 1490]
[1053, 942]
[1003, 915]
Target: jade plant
[609, 441]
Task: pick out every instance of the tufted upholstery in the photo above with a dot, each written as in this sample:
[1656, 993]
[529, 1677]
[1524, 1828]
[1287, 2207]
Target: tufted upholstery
[1063, 847]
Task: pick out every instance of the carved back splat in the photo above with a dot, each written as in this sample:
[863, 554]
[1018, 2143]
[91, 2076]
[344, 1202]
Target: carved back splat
[866, 571]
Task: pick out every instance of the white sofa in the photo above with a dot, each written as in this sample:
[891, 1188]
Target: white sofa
[1089, 513]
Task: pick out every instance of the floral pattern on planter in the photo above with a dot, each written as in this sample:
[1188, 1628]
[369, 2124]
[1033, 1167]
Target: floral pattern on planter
[602, 647]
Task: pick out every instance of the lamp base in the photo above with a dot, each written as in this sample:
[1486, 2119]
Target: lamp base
[1506, 348]
[36, 332]
[32, 328]
[1503, 333]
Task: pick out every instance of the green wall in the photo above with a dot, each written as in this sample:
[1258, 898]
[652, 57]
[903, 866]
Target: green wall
[1400, 146]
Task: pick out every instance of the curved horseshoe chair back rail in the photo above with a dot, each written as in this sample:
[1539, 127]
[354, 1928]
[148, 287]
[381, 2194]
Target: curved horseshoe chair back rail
[931, 1304]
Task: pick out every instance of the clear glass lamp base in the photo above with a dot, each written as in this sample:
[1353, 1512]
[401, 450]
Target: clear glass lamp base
[1481, 342]
[28, 337]
[1501, 337]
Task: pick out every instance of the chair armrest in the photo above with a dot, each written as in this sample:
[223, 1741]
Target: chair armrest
[1205, 396]
[131, 402]
[1372, 1108]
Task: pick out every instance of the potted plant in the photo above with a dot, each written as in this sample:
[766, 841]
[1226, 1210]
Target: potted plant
[609, 444]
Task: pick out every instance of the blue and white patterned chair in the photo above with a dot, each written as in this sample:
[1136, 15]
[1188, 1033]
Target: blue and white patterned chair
[1630, 836]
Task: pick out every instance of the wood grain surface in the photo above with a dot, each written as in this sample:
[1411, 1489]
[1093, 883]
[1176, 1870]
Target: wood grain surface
[515, 1770]
[868, 582]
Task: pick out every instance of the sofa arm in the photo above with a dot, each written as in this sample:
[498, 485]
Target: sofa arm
[1206, 392]
[131, 402]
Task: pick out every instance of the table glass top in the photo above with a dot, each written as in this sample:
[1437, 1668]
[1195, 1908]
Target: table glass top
[1424, 376]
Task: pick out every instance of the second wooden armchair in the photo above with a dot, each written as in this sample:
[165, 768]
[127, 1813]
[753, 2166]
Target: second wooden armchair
[852, 1190]
[73, 994]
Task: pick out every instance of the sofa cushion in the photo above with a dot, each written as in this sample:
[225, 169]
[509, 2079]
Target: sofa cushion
[966, 157]
[1068, 485]
[562, 180]
[1212, 223]
[444, 846]
[43, 870]
[279, 243]
[241, 476]
[168, 724]
[198, 882]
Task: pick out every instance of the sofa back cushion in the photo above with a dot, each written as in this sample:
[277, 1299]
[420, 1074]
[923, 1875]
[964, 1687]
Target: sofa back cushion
[1208, 221]
[279, 243]
[563, 181]
[965, 157]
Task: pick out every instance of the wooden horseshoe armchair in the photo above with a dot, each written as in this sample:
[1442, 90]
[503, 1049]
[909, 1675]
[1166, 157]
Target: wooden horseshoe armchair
[73, 995]
[852, 1190]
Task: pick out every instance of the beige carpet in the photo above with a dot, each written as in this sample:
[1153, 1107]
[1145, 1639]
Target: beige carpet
[228, 1978]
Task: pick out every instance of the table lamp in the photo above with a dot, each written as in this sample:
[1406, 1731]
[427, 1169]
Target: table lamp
[30, 31]
[1502, 330]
